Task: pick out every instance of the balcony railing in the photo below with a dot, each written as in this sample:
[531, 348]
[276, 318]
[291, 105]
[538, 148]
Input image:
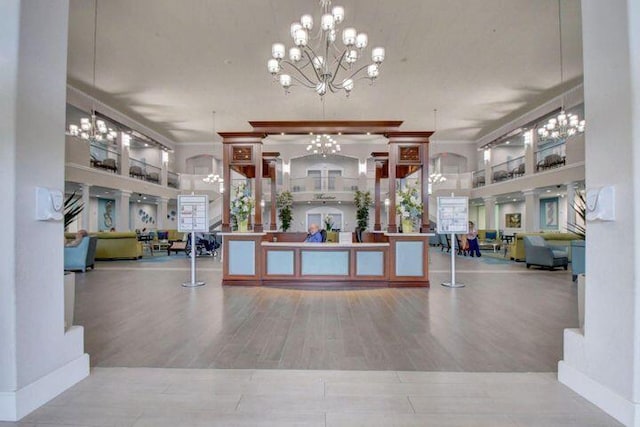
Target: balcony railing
[477, 178]
[104, 158]
[173, 180]
[508, 170]
[323, 184]
[550, 156]
[141, 170]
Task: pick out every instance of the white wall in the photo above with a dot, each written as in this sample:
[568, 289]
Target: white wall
[135, 219]
[151, 156]
[603, 363]
[35, 351]
[467, 149]
[508, 208]
[348, 165]
[299, 213]
[186, 151]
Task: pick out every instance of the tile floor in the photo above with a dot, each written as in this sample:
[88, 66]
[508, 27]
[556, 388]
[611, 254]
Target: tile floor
[207, 397]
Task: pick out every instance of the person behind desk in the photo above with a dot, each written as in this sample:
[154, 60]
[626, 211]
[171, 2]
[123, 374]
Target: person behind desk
[314, 235]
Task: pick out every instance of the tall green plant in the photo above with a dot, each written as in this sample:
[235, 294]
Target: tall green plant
[72, 208]
[362, 200]
[579, 206]
[284, 202]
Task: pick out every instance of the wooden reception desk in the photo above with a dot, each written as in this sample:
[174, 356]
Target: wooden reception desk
[394, 260]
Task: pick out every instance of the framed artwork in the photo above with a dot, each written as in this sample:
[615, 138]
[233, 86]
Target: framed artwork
[549, 214]
[513, 220]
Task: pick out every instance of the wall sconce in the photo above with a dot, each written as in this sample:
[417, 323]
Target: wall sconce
[221, 188]
[286, 167]
[262, 203]
[387, 202]
[165, 157]
[362, 167]
[487, 155]
[126, 139]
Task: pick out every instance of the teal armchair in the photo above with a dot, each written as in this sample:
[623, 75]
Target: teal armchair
[81, 257]
[537, 252]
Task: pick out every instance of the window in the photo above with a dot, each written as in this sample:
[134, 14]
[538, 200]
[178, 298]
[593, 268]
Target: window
[333, 174]
[317, 179]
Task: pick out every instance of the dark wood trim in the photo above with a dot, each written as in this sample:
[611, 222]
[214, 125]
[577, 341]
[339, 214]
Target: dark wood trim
[377, 226]
[417, 281]
[424, 228]
[242, 137]
[272, 175]
[257, 187]
[329, 126]
[409, 136]
[393, 152]
[226, 196]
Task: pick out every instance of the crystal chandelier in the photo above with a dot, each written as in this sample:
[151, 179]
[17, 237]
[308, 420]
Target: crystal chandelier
[317, 62]
[93, 130]
[436, 178]
[323, 144]
[212, 179]
[559, 128]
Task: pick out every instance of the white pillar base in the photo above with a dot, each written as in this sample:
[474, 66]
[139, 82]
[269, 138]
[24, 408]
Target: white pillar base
[569, 374]
[16, 405]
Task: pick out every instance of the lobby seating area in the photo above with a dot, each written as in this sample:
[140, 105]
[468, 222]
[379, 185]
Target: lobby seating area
[81, 257]
[538, 253]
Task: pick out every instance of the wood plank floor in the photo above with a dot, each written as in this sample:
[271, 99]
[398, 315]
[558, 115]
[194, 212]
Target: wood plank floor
[507, 319]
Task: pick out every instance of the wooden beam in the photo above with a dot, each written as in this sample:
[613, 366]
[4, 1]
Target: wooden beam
[331, 126]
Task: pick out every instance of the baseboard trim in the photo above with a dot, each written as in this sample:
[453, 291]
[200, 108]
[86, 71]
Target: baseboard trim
[623, 410]
[18, 404]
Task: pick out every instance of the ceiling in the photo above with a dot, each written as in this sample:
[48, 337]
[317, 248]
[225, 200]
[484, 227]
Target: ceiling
[169, 64]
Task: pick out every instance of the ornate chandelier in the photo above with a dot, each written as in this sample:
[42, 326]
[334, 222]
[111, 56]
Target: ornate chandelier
[559, 128]
[93, 130]
[317, 62]
[323, 144]
[436, 178]
[212, 179]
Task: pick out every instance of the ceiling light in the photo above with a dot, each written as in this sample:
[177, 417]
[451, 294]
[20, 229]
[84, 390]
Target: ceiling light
[317, 62]
[561, 127]
[436, 178]
[213, 178]
[323, 144]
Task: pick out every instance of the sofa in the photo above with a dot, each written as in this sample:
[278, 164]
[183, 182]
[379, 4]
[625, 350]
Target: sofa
[118, 245]
[517, 252]
[81, 257]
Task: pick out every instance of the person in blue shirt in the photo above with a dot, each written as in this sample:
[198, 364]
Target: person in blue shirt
[314, 235]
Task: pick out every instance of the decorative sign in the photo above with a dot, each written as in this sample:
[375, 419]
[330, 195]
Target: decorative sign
[453, 215]
[409, 154]
[242, 154]
[193, 213]
[322, 196]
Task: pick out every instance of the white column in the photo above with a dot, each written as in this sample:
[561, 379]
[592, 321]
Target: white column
[488, 176]
[38, 359]
[123, 142]
[530, 154]
[164, 170]
[286, 174]
[531, 211]
[571, 195]
[602, 362]
[86, 211]
[122, 211]
[490, 213]
[163, 203]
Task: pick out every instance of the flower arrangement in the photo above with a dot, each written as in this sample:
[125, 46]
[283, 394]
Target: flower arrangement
[408, 203]
[284, 203]
[328, 223]
[242, 203]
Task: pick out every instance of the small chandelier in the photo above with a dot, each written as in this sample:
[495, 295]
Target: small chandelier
[436, 178]
[93, 130]
[316, 61]
[559, 128]
[212, 179]
[323, 144]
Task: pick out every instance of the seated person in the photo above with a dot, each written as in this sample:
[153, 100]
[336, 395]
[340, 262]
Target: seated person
[314, 235]
[81, 234]
[202, 239]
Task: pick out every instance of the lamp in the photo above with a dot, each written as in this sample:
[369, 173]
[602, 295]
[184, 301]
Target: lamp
[561, 127]
[317, 62]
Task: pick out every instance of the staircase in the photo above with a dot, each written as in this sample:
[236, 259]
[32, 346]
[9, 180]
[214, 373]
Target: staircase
[215, 214]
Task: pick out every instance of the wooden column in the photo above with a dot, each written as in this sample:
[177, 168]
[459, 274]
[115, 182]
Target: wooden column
[242, 152]
[272, 174]
[392, 227]
[257, 194]
[408, 153]
[425, 186]
[376, 220]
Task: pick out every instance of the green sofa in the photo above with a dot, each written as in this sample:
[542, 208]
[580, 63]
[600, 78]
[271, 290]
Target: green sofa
[115, 245]
[516, 249]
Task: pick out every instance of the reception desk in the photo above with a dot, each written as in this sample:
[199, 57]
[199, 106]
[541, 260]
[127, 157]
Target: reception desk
[254, 259]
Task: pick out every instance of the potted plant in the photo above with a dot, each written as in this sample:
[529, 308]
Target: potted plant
[362, 200]
[284, 203]
[409, 207]
[73, 206]
[241, 206]
[328, 223]
[579, 228]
